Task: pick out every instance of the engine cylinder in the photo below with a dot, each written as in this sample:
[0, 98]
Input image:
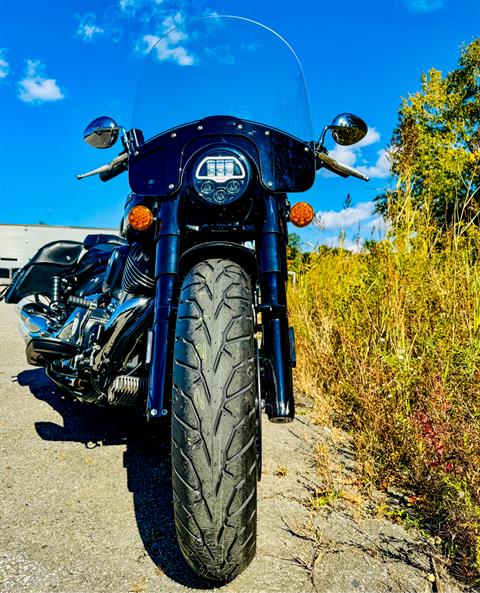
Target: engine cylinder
[138, 275]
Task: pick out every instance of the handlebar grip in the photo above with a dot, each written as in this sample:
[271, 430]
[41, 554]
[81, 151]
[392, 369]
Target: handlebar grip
[110, 170]
[113, 172]
[96, 171]
[336, 167]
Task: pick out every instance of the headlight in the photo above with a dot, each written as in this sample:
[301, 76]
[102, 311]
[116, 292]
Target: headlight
[221, 176]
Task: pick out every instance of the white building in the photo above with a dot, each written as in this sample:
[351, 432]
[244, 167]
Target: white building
[20, 242]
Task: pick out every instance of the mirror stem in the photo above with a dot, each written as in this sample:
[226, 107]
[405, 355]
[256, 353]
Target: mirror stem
[126, 139]
[322, 136]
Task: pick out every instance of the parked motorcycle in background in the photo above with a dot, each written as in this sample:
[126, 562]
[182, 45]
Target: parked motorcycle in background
[185, 314]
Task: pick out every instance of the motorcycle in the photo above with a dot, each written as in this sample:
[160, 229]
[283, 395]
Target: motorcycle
[184, 314]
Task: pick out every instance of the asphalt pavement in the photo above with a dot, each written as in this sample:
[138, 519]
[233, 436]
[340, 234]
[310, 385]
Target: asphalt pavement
[86, 504]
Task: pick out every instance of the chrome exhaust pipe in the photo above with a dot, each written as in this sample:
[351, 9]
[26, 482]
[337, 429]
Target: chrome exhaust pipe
[34, 324]
[116, 341]
[39, 334]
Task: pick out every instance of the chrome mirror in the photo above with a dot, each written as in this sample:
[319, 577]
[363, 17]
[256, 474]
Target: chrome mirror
[101, 132]
[348, 129]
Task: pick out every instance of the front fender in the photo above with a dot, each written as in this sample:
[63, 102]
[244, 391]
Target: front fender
[227, 250]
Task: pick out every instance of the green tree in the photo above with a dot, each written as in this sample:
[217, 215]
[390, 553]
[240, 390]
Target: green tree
[435, 151]
[294, 249]
[294, 242]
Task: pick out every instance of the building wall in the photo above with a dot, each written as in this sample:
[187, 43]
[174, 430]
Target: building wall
[18, 243]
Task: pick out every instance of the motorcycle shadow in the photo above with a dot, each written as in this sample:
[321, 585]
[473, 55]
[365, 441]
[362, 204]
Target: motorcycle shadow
[146, 460]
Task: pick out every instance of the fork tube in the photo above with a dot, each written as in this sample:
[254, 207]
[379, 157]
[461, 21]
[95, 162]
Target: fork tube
[271, 249]
[166, 281]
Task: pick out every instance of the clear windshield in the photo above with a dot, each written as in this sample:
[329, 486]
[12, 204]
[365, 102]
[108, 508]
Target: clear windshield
[221, 65]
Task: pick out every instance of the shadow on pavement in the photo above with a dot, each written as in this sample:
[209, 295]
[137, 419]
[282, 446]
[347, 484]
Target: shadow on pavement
[146, 459]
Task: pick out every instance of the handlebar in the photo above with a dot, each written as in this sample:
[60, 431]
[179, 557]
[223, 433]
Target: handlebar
[336, 167]
[110, 170]
[120, 164]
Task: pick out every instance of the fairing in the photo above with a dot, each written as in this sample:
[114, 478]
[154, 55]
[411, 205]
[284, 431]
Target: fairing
[226, 79]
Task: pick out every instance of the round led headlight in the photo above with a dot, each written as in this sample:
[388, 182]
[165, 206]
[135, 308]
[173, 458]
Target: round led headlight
[221, 176]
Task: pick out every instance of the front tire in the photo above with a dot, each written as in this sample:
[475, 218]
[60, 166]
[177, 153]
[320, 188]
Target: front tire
[214, 416]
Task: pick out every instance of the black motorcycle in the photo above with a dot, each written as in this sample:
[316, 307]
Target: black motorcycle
[184, 314]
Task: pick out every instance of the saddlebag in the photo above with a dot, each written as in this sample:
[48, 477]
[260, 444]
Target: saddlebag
[51, 260]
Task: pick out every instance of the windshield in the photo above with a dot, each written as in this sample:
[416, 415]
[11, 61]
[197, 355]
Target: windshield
[221, 65]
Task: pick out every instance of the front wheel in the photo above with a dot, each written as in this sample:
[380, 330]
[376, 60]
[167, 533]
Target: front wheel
[214, 417]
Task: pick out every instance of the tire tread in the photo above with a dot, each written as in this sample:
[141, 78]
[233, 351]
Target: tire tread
[214, 421]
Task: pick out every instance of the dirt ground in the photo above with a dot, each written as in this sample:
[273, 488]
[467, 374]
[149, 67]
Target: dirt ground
[86, 505]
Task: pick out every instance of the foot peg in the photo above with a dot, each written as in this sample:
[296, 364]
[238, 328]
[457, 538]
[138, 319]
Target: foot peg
[81, 302]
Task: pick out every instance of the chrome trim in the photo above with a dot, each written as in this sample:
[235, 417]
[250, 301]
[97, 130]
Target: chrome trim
[149, 350]
[220, 178]
[35, 325]
[125, 314]
[125, 310]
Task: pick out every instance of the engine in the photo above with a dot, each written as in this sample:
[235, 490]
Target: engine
[94, 345]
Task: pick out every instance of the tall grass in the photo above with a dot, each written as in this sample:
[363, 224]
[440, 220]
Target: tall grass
[388, 343]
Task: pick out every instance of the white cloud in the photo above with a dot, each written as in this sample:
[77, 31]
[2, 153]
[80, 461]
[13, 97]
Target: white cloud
[371, 137]
[147, 43]
[377, 225]
[172, 21]
[168, 48]
[126, 5]
[87, 29]
[35, 88]
[381, 169]
[348, 244]
[424, 5]
[374, 227]
[145, 10]
[4, 65]
[349, 155]
[344, 154]
[146, 19]
[171, 25]
[348, 217]
[165, 52]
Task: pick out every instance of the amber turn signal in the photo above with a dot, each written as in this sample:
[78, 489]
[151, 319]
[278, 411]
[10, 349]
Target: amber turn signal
[301, 214]
[140, 218]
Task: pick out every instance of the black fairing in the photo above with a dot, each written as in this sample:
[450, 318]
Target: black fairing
[94, 260]
[53, 259]
[89, 271]
[101, 239]
[285, 163]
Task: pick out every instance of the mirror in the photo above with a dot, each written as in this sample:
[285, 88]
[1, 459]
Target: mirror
[101, 132]
[348, 129]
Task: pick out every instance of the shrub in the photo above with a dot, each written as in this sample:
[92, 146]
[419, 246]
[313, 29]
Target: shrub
[388, 344]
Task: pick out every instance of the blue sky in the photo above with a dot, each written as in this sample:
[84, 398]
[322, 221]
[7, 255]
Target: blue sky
[62, 63]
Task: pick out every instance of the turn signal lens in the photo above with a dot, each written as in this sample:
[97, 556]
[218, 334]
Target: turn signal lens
[301, 214]
[140, 218]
